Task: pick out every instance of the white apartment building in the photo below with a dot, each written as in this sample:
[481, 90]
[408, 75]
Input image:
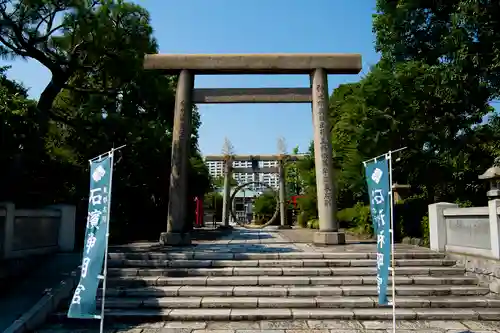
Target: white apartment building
[216, 169]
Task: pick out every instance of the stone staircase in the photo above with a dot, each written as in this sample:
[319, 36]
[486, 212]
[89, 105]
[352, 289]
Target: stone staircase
[248, 276]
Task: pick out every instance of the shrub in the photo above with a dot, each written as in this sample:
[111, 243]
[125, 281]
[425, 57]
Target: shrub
[308, 204]
[357, 218]
[302, 219]
[265, 204]
[362, 221]
[425, 231]
[463, 204]
[346, 216]
[313, 224]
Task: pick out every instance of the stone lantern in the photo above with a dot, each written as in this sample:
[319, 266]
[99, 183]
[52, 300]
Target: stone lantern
[493, 176]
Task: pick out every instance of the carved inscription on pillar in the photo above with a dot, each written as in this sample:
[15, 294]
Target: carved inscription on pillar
[326, 154]
[182, 129]
[180, 151]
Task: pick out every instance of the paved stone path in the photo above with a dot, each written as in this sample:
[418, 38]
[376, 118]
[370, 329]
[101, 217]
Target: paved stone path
[21, 297]
[269, 241]
[295, 326]
[303, 235]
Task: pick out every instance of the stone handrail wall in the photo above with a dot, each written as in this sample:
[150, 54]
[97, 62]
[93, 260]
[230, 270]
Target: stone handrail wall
[470, 231]
[469, 235]
[26, 232]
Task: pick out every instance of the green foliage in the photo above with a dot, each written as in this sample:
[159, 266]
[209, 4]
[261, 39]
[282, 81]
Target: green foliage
[425, 231]
[361, 222]
[293, 181]
[464, 204]
[98, 97]
[313, 224]
[302, 219]
[213, 201]
[347, 215]
[218, 182]
[308, 204]
[462, 37]
[265, 204]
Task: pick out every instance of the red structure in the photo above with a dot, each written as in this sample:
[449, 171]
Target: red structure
[199, 212]
[294, 200]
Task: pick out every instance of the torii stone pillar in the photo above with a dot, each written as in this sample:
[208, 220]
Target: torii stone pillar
[282, 194]
[177, 205]
[228, 167]
[328, 226]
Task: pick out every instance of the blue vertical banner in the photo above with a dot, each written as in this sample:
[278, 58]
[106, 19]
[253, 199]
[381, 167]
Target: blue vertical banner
[378, 179]
[83, 304]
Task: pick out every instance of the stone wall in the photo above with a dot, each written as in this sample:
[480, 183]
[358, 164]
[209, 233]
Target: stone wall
[471, 231]
[471, 236]
[485, 269]
[27, 232]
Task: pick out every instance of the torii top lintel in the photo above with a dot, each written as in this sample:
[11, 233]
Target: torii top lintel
[305, 63]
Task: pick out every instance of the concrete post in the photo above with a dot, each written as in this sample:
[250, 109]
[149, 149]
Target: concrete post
[8, 232]
[437, 225]
[493, 206]
[67, 227]
[328, 226]
[181, 135]
[282, 195]
[227, 192]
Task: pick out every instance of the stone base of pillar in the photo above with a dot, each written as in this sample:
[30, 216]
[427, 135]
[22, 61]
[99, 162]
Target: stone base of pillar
[323, 238]
[225, 227]
[286, 226]
[175, 239]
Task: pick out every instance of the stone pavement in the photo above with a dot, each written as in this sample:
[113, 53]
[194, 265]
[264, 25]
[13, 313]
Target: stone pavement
[199, 288]
[22, 296]
[290, 326]
[304, 235]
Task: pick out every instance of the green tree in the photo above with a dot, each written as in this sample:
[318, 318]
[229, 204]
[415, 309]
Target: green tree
[462, 37]
[98, 97]
[294, 183]
[265, 204]
[429, 93]
[307, 173]
[218, 182]
[19, 137]
[214, 201]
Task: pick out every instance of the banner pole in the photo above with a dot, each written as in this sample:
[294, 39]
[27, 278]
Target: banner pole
[383, 155]
[105, 269]
[107, 153]
[392, 245]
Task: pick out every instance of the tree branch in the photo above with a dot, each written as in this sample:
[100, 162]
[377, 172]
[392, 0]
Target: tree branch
[13, 47]
[30, 49]
[91, 90]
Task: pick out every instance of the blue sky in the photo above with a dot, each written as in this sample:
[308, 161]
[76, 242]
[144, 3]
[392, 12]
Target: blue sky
[257, 26]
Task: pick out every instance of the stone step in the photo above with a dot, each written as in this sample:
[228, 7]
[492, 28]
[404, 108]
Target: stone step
[142, 281]
[281, 271]
[196, 263]
[353, 302]
[190, 314]
[292, 291]
[417, 254]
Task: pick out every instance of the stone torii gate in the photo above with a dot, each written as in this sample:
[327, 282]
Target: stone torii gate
[315, 65]
[256, 169]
